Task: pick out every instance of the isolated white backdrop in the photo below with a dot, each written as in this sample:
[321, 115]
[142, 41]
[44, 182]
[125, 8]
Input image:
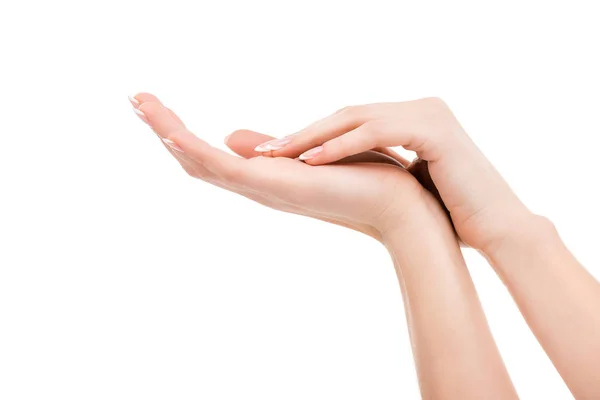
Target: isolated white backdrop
[123, 278]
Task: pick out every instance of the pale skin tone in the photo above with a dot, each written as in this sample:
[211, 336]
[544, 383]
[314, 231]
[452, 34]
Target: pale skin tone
[454, 352]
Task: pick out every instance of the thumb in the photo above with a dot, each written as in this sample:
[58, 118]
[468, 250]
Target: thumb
[243, 142]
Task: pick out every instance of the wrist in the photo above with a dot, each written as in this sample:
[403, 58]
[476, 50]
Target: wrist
[534, 234]
[422, 234]
[423, 214]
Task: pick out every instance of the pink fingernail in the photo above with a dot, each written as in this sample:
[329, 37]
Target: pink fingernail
[142, 116]
[172, 145]
[275, 144]
[312, 153]
[134, 102]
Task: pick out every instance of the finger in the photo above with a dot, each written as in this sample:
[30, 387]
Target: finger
[373, 134]
[321, 131]
[142, 98]
[243, 142]
[278, 178]
[203, 161]
[139, 99]
[265, 180]
[161, 119]
[164, 123]
[228, 168]
[279, 181]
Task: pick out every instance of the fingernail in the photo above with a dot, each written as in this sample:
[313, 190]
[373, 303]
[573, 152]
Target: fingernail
[142, 116]
[275, 144]
[134, 101]
[172, 145]
[312, 153]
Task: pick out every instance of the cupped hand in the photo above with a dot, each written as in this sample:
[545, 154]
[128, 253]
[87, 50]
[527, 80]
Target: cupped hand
[370, 197]
[483, 208]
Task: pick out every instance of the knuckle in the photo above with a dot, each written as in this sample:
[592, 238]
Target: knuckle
[343, 109]
[438, 115]
[353, 111]
[436, 108]
[374, 130]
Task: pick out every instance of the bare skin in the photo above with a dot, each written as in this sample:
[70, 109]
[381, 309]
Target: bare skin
[455, 354]
[559, 299]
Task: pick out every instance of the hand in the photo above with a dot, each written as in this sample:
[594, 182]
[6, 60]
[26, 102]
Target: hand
[372, 198]
[483, 208]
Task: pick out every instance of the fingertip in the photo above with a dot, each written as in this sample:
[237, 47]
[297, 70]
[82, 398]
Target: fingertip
[234, 138]
[150, 108]
[311, 154]
[312, 161]
[134, 102]
[144, 97]
[244, 142]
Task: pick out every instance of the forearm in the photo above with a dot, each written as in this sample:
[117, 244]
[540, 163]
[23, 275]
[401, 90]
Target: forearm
[559, 299]
[455, 354]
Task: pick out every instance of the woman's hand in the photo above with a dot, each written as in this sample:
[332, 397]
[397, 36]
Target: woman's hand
[483, 208]
[372, 198]
[454, 350]
[559, 299]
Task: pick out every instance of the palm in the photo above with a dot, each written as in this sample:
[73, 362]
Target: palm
[356, 192]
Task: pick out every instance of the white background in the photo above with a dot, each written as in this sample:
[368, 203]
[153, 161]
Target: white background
[123, 278]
